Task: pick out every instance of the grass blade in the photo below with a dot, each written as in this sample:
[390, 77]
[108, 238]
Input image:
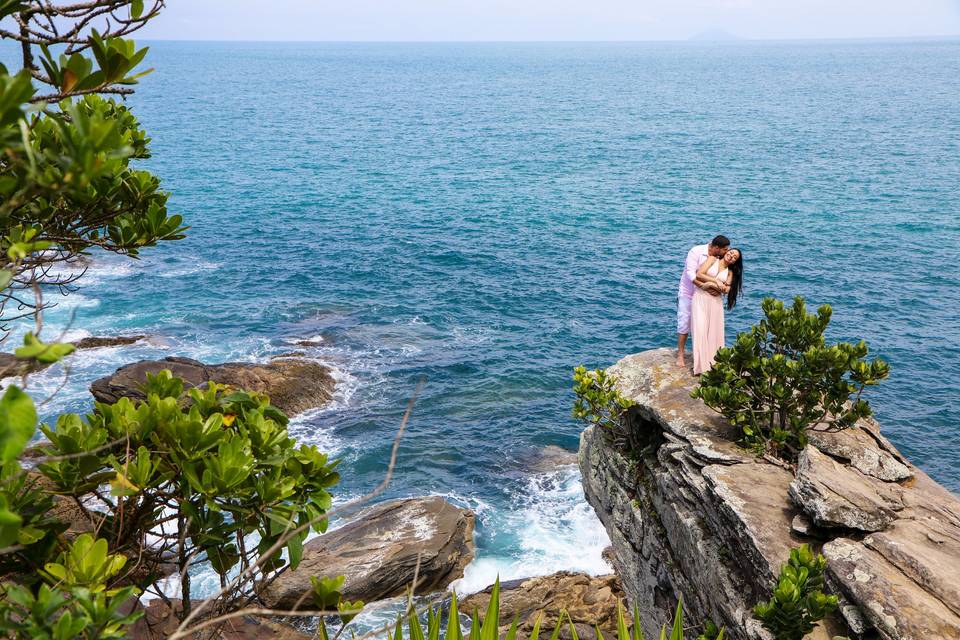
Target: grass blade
[535, 632]
[454, 632]
[491, 622]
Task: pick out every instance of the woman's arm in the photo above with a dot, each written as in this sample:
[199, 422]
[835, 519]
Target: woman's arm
[704, 281]
[724, 286]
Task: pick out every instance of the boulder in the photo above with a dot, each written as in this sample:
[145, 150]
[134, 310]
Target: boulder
[591, 602]
[836, 495]
[160, 621]
[293, 385]
[690, 514]
[378, 553]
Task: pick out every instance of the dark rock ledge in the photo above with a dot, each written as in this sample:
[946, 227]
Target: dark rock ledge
[10, 365]
[694, 516]
[294, 385]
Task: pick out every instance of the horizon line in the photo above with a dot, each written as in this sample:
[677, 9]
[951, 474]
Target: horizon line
[689, 40]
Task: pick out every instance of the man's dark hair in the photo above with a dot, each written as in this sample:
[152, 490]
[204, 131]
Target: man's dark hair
[721, 241]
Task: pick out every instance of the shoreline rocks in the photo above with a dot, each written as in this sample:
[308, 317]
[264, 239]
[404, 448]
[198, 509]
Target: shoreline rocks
[591, 602]
[10, 365]
[378, 551]
[692, 515]
[294, 385]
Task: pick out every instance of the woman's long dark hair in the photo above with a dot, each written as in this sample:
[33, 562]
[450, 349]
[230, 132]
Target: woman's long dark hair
[736, 284]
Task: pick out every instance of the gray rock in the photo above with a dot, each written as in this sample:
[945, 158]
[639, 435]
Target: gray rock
[835, 495]
[895, 605]
[690, 514]
[293, 385]
[550, 458]
[864, 449]
[378, 553]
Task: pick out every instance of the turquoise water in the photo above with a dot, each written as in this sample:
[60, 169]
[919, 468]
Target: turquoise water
[488, 216]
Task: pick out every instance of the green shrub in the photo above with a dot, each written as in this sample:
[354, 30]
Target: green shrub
[781, 378]
[798, 600]
[598, 402]
[215, 470]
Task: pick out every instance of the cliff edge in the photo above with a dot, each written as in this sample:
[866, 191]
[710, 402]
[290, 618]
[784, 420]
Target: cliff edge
[692, 515]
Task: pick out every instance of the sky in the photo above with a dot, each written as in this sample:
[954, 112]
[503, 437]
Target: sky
[510, 20]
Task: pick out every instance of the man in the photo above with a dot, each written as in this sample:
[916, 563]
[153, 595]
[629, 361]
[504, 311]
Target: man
[695, 257]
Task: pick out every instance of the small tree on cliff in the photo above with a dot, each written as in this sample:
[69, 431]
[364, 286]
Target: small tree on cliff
[781, 378]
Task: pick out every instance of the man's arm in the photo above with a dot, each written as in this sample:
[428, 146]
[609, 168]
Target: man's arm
[691, 265]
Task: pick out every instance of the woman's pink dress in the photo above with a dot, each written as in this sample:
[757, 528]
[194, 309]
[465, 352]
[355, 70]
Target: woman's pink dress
[706, 323]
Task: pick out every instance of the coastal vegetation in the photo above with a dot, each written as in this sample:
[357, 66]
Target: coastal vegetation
[782, 378]
[68, 180]
[798, 601]
[597, 401]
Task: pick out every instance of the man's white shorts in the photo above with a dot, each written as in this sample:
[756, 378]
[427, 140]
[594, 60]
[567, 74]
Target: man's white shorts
[683, 314]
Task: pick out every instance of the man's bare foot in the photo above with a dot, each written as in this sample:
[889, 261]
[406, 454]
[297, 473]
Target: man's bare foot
[680, 361]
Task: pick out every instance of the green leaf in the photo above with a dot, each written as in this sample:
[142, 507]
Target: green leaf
[491, 621]
[18, 423]
[34, 349]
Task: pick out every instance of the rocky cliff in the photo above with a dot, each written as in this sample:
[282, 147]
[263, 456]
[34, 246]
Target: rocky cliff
[693, 515]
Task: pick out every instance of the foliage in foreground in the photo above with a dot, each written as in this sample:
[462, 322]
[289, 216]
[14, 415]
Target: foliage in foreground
[487, 627]
[598, 402]
[798, 601]
[211, 475]
[67, 179]
[782, 378]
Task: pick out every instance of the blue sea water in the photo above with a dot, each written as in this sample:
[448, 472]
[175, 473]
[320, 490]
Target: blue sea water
[488, 216]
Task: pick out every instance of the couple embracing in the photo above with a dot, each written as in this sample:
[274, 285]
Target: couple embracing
[711, 272]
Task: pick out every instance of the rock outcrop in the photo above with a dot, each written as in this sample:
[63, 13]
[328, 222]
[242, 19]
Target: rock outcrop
[294, 385]
[378, 553]
[692, 515]
[591, 602]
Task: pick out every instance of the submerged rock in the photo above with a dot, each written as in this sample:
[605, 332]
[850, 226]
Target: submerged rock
[378, 553]
[690, 514]
[96, 342]
[549, 458]
[591, 602]
[293, 385]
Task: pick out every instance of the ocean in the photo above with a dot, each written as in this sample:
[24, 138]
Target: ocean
[488, 216]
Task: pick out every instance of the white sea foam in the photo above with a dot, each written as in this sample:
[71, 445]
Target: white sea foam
[186, 269]
[555, 528]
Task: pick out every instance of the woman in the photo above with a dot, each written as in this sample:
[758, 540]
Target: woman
[723, 275]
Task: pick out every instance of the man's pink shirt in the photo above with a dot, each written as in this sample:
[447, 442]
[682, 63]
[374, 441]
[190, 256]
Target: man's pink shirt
[695, 257]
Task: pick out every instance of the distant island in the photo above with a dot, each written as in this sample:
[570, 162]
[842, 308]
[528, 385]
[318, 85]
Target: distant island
[715, 35]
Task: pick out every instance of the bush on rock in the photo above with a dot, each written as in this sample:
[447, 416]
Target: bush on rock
[782, 378]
